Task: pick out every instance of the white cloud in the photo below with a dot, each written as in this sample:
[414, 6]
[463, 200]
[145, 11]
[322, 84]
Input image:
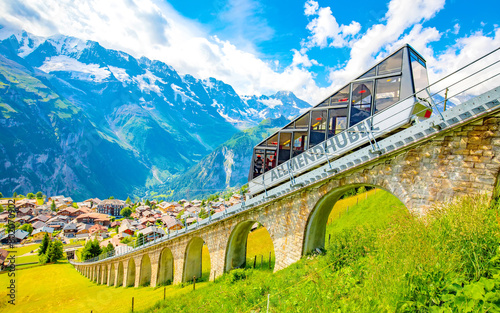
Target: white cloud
[325, 27]
[300, 58]
[376, 41]
[456, 29]
[311, 7]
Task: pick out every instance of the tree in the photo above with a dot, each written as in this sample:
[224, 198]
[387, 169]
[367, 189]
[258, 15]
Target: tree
[55, 251]
[361, 190]
[44, 245]
[108, 248]
[180, 214]
[126, 212]
[14, 195]
[1, 195]
[91, 249]
[27, 227]
[75, 205]
[128, 201]
[147, 202]
[30, 195]
[53, 206]
[111, 197]
[39, 195]
[203, 213]
[1, 208]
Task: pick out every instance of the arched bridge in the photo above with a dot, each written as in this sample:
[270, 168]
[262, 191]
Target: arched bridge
[448, 155]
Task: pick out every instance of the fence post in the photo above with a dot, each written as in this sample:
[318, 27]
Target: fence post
[194, 282]
[261, 260]
[132, 304]
[269, 265]
[164, 292]
[329, 237]
[254, 261]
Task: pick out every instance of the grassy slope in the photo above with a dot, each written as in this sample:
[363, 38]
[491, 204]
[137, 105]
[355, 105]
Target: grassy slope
[38, 285]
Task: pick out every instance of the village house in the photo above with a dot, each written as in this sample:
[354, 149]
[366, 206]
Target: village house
[41, 218]
[19, 236]
[70, 230]
[93, 218]
[26, 211]
[152, 232]
[98, 230]
[171, 223]
[82, 230]
[166, 207]
[126, 227]
[111, 206]
[25, 203]
[39, 233]
[22, 219]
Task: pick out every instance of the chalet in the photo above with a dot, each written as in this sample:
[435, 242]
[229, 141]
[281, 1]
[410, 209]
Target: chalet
[191, 220]
[58, 220]
[115, 223]
[19, 235]
[82, 229]
[70, 230]
[126, 227]
[92, 218]
[26, 211]
[166, 207]
[25, 203]
[3, 258]
[69, 211]
[111, 206]
[38, 224]
[41, 218]
[152, 232]
[171, 223]
[98, 230]
[55, 199]
[39, 233]
[4, 216]
[22, 219]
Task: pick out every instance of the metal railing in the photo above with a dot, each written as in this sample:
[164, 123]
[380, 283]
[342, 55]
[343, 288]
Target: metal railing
[463, 84]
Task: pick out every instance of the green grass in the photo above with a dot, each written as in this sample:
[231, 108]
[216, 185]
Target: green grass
[60, 288]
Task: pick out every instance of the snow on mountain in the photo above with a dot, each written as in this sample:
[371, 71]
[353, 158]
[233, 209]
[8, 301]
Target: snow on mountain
[81, 71]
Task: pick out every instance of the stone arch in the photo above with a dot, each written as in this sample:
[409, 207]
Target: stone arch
[119, 275]
[165, 267]
[315, 230]
[104, 279]
[145, 274]
[193, 259]
[130, 273]
[236, 250]
[111, 281]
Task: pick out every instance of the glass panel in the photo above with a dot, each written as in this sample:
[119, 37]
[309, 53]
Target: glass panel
[370, 73]
[273, 141]
[258, 163]
[337, 121]
[303, 122]
[341, 97]
[325, 103]
[361, 101]
[318, 127]
[284, 147]
[387, 92]
[419, 74]
[270, 162]
[299, 142]
[392, 64]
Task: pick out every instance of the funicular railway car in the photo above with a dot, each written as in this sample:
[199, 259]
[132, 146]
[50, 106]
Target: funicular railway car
[378, 103]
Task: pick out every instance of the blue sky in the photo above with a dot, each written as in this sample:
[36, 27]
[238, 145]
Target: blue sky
[260, 47]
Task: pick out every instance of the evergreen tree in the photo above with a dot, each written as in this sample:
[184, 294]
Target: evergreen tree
[1, 208]
[53, 206]
[108, 248]
[128, 201]
[44, 245]
[14, 195]
[91, 249]
[27, 227]
[55, 251]
[1, 195]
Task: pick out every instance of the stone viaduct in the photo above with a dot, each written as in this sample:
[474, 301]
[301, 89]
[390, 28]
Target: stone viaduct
[461, 160]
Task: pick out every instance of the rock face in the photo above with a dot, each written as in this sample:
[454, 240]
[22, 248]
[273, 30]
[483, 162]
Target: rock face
[82, 120]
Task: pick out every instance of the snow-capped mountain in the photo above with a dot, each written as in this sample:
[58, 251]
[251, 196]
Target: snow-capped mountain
[109, 122]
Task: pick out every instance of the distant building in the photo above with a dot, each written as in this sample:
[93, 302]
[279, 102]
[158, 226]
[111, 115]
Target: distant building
[111, 206]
